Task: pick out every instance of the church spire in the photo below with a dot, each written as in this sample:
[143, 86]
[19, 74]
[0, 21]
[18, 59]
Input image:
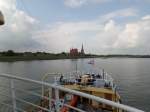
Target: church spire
[82, 50]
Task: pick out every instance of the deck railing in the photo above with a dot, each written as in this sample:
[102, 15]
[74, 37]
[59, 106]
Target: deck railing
[57, 102]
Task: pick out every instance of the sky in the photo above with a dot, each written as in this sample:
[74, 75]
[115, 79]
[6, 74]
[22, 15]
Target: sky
[102, 26]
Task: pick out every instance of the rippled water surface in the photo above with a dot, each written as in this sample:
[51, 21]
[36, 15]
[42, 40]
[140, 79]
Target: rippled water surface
[132, 75]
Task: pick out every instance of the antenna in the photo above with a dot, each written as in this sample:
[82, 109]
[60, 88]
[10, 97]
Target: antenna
[76, 66]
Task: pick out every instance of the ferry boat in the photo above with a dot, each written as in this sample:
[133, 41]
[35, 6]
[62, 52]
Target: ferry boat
[97, 93]
[98, 84]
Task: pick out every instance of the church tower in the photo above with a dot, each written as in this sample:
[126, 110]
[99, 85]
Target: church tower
[82, 50]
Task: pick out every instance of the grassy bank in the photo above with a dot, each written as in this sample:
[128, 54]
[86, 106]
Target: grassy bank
[54, 57]
[10, 55]
[29, 58]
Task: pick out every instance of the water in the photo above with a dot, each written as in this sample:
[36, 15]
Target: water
[132, 75]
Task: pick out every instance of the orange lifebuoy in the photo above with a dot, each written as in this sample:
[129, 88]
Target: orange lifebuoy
[73, 102]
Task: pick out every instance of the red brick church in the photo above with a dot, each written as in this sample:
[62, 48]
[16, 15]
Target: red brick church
[74, 52]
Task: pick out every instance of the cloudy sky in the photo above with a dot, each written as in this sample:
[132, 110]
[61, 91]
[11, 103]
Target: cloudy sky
[103, 26]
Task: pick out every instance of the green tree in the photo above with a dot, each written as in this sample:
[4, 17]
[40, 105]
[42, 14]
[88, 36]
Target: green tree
[10, 53]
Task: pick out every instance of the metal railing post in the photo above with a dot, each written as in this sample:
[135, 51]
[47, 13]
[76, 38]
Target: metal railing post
[42, 90]
[56, 96]
[57, 99]
[50, 90]
[43, 79]
[13, 95]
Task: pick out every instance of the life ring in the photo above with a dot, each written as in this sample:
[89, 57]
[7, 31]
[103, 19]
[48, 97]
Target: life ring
[73, 103]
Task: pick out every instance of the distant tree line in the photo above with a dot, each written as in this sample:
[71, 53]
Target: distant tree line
[8, 53]
[11, 53]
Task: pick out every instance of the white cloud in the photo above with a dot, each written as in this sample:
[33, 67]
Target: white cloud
[98, 37]
[62, 36]
[120, 13]
[74, 3]
[78, 3]
[135, 35]
[146, 17]
[16, 34]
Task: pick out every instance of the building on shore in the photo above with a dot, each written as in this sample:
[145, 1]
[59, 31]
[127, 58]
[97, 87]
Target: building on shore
[74, 52]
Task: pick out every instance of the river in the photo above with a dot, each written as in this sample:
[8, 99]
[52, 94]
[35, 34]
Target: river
[132, 75]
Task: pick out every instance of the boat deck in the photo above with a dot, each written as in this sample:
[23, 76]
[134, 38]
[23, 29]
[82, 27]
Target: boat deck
[88, 88]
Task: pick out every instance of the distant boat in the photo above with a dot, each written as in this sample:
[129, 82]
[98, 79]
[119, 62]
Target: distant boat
[91, 62]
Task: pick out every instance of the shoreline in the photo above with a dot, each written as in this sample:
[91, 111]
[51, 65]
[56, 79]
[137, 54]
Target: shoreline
[34, 58]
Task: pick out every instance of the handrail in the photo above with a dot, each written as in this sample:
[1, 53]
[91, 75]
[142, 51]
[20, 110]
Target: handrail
[98, 99]
[74, 108]
[10, 106]
[21, 100]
